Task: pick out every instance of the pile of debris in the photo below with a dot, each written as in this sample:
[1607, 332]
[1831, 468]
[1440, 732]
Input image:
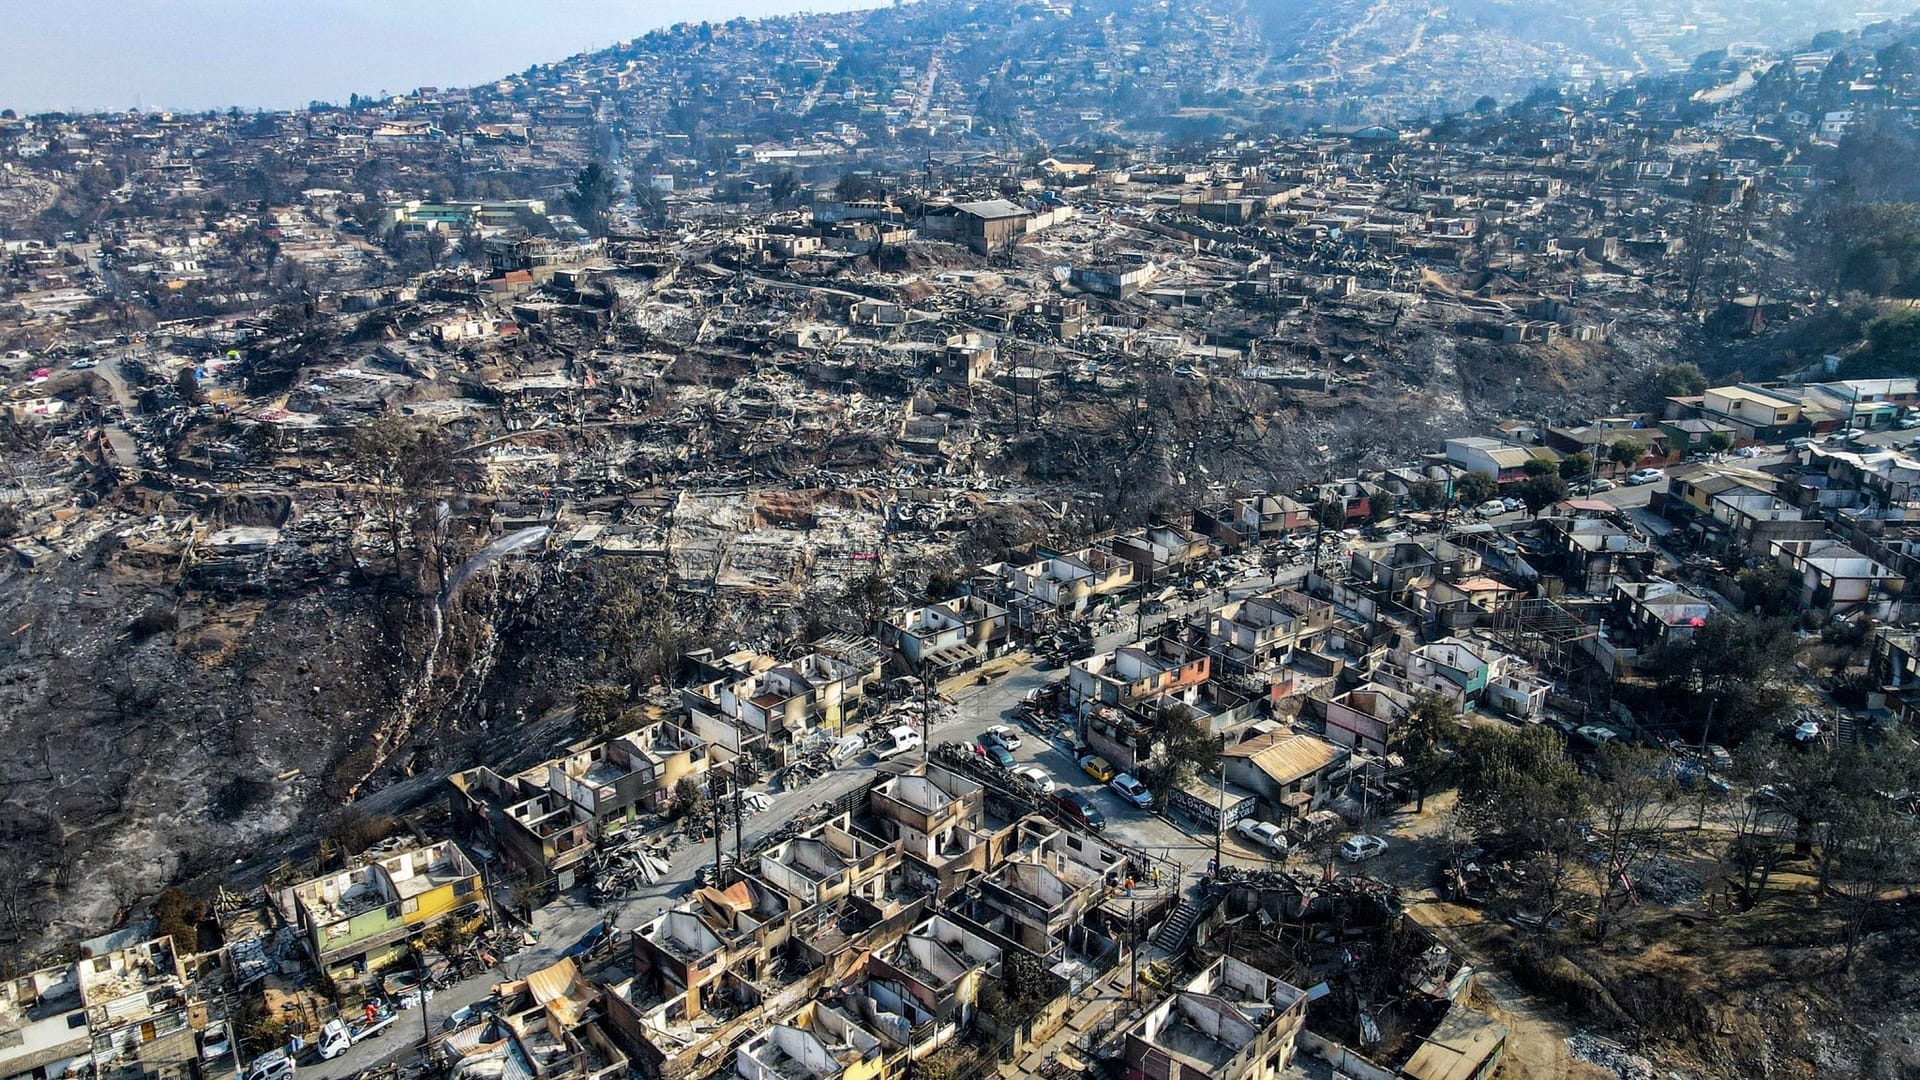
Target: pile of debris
[1612, 1056]
[1664, 881]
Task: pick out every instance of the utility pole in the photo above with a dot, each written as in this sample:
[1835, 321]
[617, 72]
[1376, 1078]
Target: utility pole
[1219, 809]
[718, 833]
[739, 820]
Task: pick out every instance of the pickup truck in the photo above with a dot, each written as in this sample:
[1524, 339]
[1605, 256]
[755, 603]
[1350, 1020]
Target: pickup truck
[337, 1035]
[903, 740]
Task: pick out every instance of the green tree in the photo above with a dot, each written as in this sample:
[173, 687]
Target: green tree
[597, 706]
[1575, 467]
[1679, 380]
[1720, 441]
[1538, 466]
[1514, 779]
[1426, 734]
[785, 185]
[1383, 505]
[1474, 488]
[1183, 747]
[591, 198]
[1540, 492]
[1625, 452]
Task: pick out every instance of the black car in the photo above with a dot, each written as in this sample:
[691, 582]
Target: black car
[1079, 809]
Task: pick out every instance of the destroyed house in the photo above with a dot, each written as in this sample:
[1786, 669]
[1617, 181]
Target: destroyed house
[141, 1020]
[947, 636]
[547, 819]
[1656, 612]
[1251, 633]
[1067, 583]
[357, 921]
[817, 1042]
[1365, 717]
[1457, 670]
[1592, 553]
[1229, 1022]
[1135, 674]
[936, 820]
[1038, 897]
[1160, 550]
[1833, 577]
[779, 703]
[830, 861]
[942, 961]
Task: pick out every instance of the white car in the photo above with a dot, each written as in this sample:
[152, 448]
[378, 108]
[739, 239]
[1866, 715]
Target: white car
[1004, 735]
[1643, 476]
[1133, 791]
[1358, 848]
[1263, 834]
[1034, 778]
[1490, 508]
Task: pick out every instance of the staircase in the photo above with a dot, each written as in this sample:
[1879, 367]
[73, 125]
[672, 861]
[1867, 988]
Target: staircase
[1172, 937]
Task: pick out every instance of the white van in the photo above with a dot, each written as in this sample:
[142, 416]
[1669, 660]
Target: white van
[272, 1065]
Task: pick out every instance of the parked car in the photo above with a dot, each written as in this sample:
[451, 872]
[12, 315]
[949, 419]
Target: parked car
[1263, 834]
[1490, 508]
[1003, 736]
[1034, 779]
[1359, 848]
[272, 1065]
[1132, 790]
[1643, 476]
[1907, 423]
[1097, 767]
[1512, 504]
[997, 754]
[1079, 809]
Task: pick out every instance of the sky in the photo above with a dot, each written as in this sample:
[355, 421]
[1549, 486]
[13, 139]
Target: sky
[93, 55]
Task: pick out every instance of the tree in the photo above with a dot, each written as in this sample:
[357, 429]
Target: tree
[1632, 803]
[856, 187]
[591, 197]
[1513, 779]
[1720, 441]
[1184, 747]
[1735, 665]
[597, 706]
[1540, 492]
[1625, 452]
[1538, 466]
[631, 622]
[688, 800]
[786, 184]
[401, 463]
[1474, 488]
[1382, 505]
[1426, 733]
[1428, 494]
[1679, 380]
[188, 383]
[867, 599]
[1575, 467]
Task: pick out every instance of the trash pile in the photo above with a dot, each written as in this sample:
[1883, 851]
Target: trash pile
[1664, 881]
[1611, 1056]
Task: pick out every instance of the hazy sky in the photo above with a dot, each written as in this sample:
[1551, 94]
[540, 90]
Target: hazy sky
[204, 54]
